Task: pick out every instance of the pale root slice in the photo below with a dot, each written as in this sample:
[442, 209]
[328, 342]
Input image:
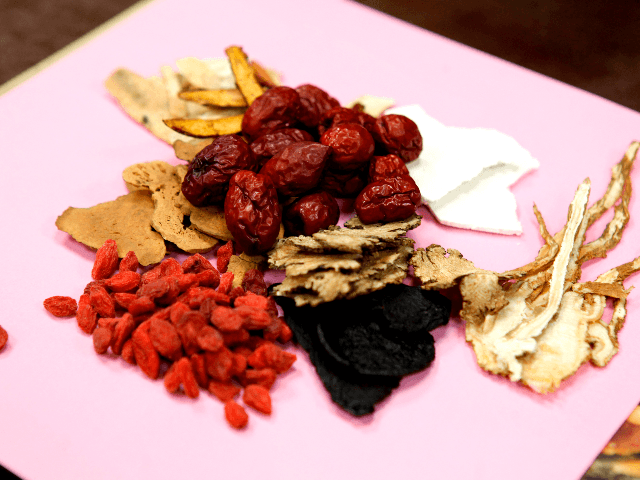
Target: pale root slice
[206, 127]
[537, 324]
[341, 263]
[244, 74]
[239, 265]
[127, 220]
[217, 98]
[210, 220]
[164, 182]
[188, 150]
[374, 106]
[145, 100]
[207, 74]
[440, 269]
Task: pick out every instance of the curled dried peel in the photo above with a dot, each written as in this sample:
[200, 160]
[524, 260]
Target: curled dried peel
[537, 324]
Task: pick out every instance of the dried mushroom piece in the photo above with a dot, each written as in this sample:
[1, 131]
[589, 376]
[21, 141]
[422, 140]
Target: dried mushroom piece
[127, 220]
[343, 262]
[538, 324]
[163, 181]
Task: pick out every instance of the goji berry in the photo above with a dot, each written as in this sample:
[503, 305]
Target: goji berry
[4, 338]
[209, 339]
[236, 292]
[60, 306]
[224, 391]
[199, 369]
[196, 263]
[260, 376]
[124, 299]
[186, 281]
[253, 300]
[272, 331]
[122, 332]
[235, 414]
[141, 305]
[165, 339]
[236, 337]
[224, 255]
[189, 383]
[285, 332]
[253, 318]
[123, 281]
[188, 332]
[162, 314]
[106, 262]
[170, 266]
[102, 339]
[208, 278]
[109, 323]
[129, 262]
[127, 352]
[172, 379]
[219, 364]
[93, 283]
[207, 307]
[102, 302]
[177, 310]
[239, 365]
[253, 281]
[226, 319]
[242, 350]
[269, 355]
[146, 356]
[257, 397]
[151, 275]
[86, 315]
[226, 283]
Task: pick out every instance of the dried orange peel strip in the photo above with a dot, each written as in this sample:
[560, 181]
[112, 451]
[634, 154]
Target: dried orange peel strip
[245, 77]
[217, 98]
[201, 128]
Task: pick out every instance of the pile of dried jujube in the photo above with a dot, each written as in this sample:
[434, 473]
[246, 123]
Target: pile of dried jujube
[187, 324]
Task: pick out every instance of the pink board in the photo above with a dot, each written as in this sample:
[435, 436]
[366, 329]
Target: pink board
[67, 413]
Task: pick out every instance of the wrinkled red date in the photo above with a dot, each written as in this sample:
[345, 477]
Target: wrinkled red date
[352, 146]
[297, 168]
[339, 115]
[311, 214]
[343, 184]
[207, 179]
[278, 107]
[398, 135]
[252, 211]
[390, 200]
[315, 103]
[272, 143]
[387, 166]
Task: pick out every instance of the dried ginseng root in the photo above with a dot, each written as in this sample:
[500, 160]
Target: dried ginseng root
[538, 324]
[209, 332]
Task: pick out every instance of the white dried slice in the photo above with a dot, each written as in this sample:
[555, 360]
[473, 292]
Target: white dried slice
[374, 106]
[207, 74]
[464, 174]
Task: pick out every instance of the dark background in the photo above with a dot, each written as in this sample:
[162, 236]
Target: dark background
[592, 44]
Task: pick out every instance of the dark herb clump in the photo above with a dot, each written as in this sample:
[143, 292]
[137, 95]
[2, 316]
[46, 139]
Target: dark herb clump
[362, 347]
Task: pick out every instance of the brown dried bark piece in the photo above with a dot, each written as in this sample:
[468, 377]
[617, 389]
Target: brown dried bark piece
[127, 220]
[343, 262]
[163, 181]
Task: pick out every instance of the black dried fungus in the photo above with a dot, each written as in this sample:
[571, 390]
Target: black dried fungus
[362, 347]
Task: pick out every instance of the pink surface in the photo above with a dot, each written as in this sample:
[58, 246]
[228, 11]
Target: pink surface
[67, 413]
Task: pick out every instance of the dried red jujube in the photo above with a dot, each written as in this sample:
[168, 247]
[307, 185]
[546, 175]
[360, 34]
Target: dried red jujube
[339, 115]
[342, 184]
[298, 168]
[277, 108]
[207, 178]
[398, 135]
[315, 103]
[390, 200]
[311, 214]
[271, 143]
[352, 146]
[383, 167]
[252, 211]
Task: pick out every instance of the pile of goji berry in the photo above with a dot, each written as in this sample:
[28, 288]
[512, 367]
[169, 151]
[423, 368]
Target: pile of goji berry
[188, 321]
